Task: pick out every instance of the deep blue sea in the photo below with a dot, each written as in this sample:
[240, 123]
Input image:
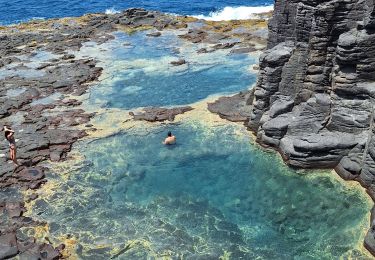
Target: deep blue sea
[14, 11]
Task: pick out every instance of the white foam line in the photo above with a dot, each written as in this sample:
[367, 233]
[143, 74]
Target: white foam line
[236, 13]
[111, 10]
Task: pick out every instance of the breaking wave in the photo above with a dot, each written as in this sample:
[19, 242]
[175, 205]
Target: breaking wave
[111, 11]
[236, 13]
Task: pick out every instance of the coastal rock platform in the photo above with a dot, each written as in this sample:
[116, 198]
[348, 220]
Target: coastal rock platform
[42, 84]
[232, 108]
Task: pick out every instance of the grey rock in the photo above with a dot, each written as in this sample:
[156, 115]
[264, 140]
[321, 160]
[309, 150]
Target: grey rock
[8, 246]
[369, 242]
[281, 106]
[153, 114]
[232, 108]
[178, 62]
[316, 85]
[314, 99]
[243, 50]
[221, 46]
[154, 34]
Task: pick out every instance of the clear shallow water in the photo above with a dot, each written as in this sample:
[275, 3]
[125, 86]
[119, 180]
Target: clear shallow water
[138, 73]
[14, 11]
[212, 192]
[27, 66]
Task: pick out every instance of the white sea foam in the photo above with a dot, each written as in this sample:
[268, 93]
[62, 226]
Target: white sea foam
[236, 13]
[111, 10]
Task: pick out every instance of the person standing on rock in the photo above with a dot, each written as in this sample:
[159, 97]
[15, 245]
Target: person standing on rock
[9, 135]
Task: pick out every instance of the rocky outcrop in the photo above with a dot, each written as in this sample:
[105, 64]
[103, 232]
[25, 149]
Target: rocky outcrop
[232, 108]
[13, 243]
[159, 114]
[314, 99]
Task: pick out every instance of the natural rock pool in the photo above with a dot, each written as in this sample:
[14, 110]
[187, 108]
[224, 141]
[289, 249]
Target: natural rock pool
[214, 194]
[138, 71]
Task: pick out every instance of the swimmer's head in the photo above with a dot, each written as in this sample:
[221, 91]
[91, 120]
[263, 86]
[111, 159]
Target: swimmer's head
[169, 133]
[5, 126]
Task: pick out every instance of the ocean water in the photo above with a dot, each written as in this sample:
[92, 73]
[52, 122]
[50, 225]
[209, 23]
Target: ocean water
[14, 11]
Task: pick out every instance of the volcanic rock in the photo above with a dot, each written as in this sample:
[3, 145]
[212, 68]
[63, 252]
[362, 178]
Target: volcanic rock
[314, 99]
[232, 108]
[178, 62]
[154, 34]
[153, 114]
[8, 246]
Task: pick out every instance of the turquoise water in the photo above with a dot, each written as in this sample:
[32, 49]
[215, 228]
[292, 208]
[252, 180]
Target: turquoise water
[212, 192]
[139, 74]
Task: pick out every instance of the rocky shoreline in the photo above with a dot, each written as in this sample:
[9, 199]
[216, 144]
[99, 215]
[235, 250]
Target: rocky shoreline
[40, 80]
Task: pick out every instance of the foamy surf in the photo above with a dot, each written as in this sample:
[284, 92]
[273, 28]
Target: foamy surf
[236, 13]
[111, 11]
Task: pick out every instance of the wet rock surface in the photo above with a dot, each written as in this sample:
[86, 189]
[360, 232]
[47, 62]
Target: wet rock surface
[13, 243]
[314, 99]
[178, 62]
[153, 114]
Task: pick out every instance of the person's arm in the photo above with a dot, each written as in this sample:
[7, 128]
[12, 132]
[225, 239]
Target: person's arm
[10, 134]
[8, 129]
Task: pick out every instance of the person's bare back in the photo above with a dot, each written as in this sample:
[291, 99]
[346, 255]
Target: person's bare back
[170, 139]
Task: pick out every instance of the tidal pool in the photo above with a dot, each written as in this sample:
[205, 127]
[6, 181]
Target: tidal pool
[138, 71]
[212, 195]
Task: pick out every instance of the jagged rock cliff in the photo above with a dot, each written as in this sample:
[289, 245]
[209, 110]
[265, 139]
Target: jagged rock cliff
[314, 99]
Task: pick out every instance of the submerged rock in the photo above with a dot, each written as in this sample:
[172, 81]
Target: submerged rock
[178, 62]
[154, 34]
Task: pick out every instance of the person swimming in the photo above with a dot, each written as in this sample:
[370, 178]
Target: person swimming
[170, 139]
[9, 136]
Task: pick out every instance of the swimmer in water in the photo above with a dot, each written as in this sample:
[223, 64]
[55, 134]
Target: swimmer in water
[171, 139]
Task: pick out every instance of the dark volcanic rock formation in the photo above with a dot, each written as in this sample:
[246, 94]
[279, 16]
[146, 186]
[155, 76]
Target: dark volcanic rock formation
[10, 242]
[233, 108]
[153, 114]
[314, 99]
